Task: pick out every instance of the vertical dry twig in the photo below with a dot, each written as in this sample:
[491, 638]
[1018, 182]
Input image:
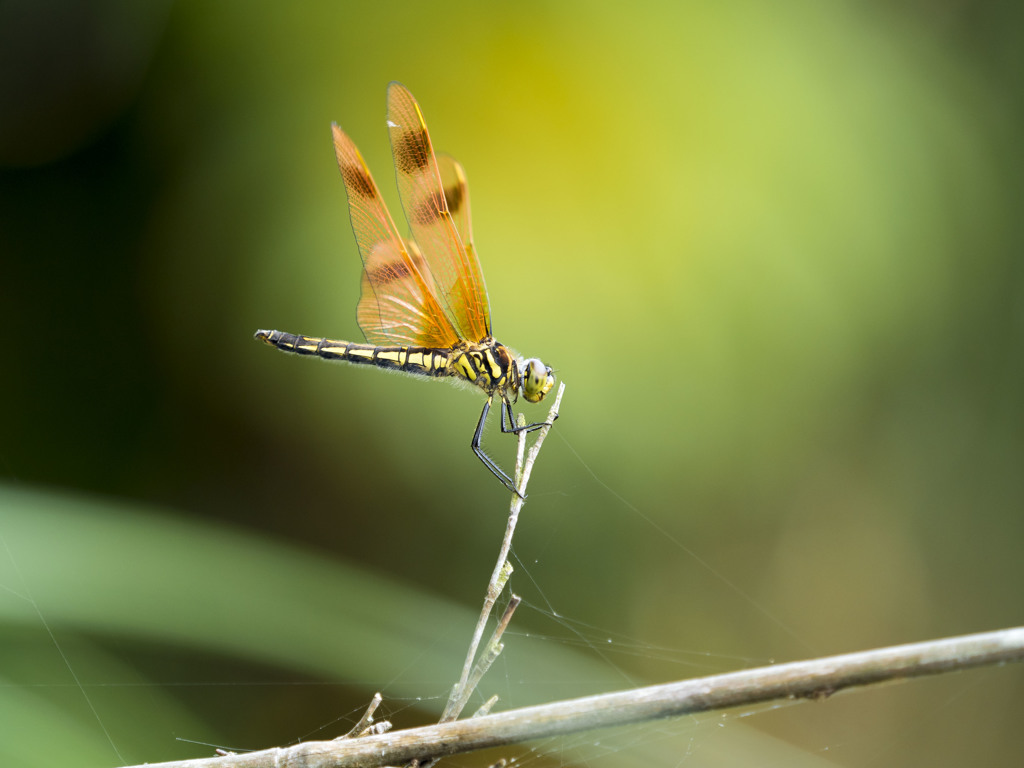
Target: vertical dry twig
[462, 690]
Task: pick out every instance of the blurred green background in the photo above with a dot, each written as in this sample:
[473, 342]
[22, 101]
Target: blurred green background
[774, 251]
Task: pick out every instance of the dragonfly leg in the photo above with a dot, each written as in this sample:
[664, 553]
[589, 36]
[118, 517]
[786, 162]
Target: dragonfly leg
[487, 461]
[512, 428]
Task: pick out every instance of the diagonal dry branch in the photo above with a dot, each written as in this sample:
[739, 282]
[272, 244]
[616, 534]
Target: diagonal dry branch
[816, 680]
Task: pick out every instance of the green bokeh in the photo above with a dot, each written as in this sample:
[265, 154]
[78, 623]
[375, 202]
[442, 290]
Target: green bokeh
[772, 249]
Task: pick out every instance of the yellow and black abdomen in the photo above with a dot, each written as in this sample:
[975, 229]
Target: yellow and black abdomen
[420, 361]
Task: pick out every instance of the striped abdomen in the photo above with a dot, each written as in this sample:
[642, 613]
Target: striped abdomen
[421, 361]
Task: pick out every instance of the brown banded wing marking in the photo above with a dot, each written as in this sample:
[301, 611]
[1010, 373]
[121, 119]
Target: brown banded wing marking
[385, 273]
[425, 193]
[456, 194]
[398, 303]
[456, 197]
[411, 149]
[358, 181]
[428, 209]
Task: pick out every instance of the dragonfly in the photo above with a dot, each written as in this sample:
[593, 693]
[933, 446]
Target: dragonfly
[423, 304]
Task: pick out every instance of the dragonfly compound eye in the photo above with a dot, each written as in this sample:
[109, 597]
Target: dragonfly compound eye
[537, 380]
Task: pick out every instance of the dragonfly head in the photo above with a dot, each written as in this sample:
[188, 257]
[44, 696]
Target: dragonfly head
[537, 379]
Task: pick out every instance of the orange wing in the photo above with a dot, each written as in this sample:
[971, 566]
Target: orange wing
[398, 303]
[436, 200]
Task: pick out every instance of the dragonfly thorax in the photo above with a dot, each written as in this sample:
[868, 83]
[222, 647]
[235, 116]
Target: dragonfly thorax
[495, 369]
[486, 364]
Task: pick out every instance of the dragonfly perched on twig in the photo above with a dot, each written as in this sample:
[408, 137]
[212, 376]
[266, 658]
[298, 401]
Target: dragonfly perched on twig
[423, 306]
